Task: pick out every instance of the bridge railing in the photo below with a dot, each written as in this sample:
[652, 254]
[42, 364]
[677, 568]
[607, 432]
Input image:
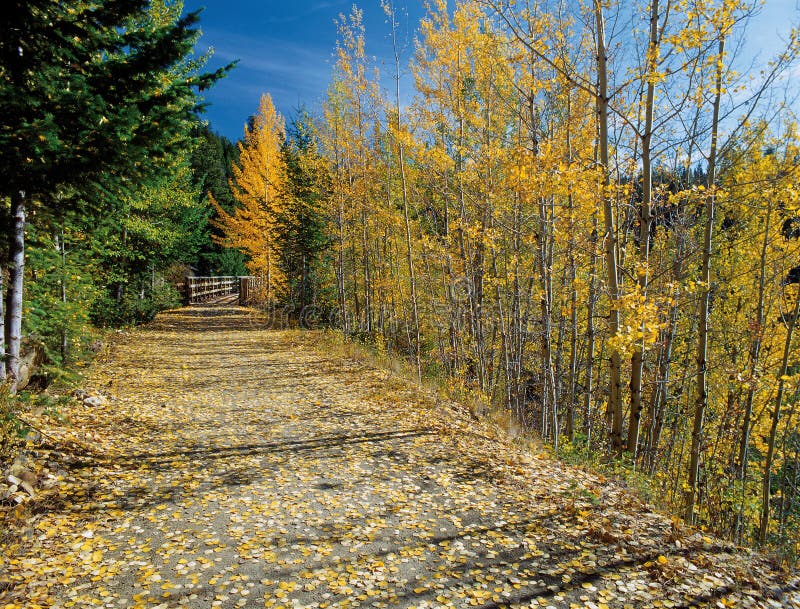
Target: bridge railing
[251, 290]
[202, 289]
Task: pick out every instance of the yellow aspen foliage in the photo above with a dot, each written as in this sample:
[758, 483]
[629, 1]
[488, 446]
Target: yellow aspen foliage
[259, 186]
[552, 197]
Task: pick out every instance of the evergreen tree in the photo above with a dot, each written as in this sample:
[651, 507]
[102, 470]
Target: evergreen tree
[212, 166]
[303, 225]
[94, 95]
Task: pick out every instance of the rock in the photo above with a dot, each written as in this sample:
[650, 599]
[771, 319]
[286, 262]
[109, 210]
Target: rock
[95, 401]
[16, 468]
[17, 483]
[80, 394]
[19, 471]
[28, 365]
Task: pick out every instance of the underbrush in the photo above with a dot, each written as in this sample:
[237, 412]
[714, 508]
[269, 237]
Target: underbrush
[27, 452]
[17, 434]
[447, 390]
[12, 430]
[133, 309]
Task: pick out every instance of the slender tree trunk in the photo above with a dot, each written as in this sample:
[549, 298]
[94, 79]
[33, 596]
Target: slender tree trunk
[590, 335]
[354, 273]
[404, 187]
[558, 369]
[15, 284]
[572, 276]
[661, 394]
[755, 353]
[518, 333]
[470, 276]
[2, 330]
[788, 486]
[543, 258]
[269, 276]
[340, 267]
[367, 271]
[454, 312]
[773, 431]
[64, 332]
[573, 346]
[340, 270]
[365, 208]
[660, 398]
[119, 290]
[549, 402]
[610, 237]
[515, 330]
[701, 400]
[637, 359]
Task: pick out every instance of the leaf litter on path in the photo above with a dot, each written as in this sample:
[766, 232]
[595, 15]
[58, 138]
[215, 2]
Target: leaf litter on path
[237, 466]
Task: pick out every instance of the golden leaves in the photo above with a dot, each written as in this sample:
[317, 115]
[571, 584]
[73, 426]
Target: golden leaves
[259, 185]
[279, 474]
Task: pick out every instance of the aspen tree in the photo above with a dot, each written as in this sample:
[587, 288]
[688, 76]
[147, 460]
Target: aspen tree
[353, 113]
[610, 237]
[705, 280]
[259, 186]
[459, 71]
[722, 22]
[646, 138]
[601, 97]
[537, 185]
[400, 136]
[332, 116]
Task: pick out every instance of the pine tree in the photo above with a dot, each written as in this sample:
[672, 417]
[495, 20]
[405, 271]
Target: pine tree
[303, 224]
[212, 168]
[93, 95]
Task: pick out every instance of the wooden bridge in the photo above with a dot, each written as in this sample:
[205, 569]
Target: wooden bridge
[222, 288]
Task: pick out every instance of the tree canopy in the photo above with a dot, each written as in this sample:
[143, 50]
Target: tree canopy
[94, 90]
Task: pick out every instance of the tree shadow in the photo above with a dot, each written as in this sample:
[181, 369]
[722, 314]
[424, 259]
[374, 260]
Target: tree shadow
[192, 460]
[299, 446]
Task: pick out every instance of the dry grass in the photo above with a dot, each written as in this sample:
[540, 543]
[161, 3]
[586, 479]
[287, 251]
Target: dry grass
[442, 391]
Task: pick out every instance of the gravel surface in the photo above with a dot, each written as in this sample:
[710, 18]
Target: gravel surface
[236, 466]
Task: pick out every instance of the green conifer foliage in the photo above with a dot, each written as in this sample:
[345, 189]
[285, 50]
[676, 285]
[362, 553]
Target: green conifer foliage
[96, 97]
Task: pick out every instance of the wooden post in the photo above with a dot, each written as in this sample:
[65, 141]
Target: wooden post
[243, 285]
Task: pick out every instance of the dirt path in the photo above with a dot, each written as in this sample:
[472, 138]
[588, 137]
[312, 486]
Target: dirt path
[239, 467]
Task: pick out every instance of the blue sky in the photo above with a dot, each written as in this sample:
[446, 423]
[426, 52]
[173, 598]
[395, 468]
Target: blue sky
[284, 47]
